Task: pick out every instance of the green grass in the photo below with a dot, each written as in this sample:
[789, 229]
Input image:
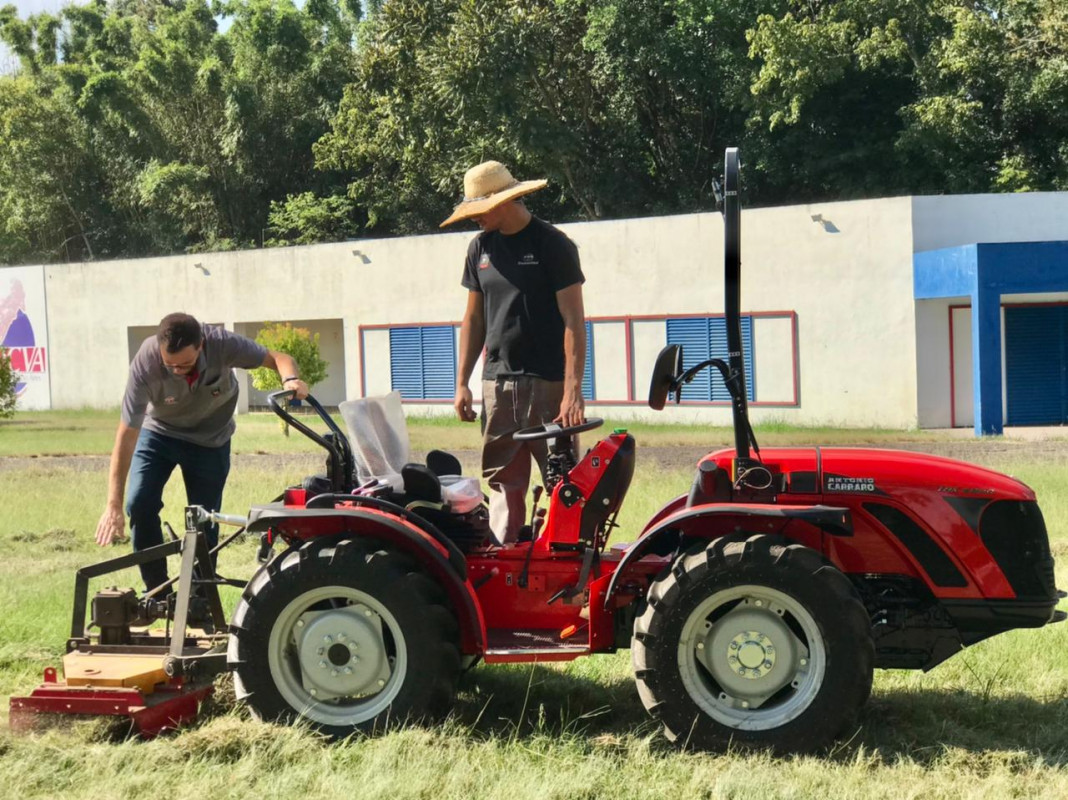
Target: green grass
[990, 722]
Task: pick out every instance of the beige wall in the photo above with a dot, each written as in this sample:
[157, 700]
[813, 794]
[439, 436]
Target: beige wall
[844, 270]
[610, 360]
[851, 290]
[953, 220]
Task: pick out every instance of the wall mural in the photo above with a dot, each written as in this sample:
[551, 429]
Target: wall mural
[24, 333]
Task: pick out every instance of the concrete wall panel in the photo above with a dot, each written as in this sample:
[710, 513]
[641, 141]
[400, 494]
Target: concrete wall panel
[963, 385]
[610, 360]
[376, 361]
[650, 337]
[932, 363]
[955, 220]
[773, 339]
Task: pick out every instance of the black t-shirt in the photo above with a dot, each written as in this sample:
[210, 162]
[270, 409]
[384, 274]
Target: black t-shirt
[519, 276]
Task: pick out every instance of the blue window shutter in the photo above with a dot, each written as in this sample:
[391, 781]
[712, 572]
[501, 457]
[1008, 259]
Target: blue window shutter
[422, 362]
[439, 363]
[692, 334]
[406, 362]
[703, 338]
[589, 391]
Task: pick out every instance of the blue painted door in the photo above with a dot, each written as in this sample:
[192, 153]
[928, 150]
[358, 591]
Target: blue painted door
[1036, 365]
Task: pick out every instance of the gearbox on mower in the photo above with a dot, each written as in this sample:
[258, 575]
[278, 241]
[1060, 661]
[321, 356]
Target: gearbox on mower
[756, 604]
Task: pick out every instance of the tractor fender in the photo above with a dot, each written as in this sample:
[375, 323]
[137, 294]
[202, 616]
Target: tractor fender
[666, 535]
[446, 564]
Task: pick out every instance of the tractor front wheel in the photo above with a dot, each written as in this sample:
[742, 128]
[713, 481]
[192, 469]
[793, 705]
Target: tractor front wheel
[752, 641]
[345, 635]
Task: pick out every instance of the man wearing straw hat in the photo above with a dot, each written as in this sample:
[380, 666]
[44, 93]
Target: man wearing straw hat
[524, 304]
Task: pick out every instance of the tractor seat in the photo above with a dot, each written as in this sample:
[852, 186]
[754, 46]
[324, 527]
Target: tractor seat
[435, 491]
[451, 503]
[424, 484]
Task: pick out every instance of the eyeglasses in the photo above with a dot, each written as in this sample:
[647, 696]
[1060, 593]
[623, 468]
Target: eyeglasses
[181, 367]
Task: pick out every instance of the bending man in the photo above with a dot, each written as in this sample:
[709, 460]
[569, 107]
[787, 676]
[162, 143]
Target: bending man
[178, 411]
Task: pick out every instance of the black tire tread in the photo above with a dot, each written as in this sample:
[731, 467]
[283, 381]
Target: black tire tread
[430, 685]
[655, 641]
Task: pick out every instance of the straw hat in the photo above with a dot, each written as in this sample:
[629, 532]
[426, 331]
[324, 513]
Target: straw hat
[487, 186]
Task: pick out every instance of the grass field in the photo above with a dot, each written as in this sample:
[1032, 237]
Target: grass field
[990, 722]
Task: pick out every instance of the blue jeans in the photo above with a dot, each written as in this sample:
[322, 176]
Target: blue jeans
[204, 470]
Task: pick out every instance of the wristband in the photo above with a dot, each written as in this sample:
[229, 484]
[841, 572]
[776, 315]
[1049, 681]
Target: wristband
[290, 378]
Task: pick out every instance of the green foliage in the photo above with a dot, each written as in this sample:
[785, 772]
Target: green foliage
[622, 104]
[136, 127]
[299, 343]
[306, 219]
[862, 97]
[8, 380]
[154, 133]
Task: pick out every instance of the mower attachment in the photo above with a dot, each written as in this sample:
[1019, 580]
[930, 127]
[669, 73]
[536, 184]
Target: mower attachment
[156, 678]
[163, 706]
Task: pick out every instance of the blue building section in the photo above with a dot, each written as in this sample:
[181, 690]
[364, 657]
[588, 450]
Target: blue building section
[983, 273]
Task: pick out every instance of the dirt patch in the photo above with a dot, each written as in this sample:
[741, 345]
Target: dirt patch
[977, 451]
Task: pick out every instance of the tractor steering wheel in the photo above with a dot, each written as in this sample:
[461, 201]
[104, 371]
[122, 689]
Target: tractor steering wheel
[550, 430]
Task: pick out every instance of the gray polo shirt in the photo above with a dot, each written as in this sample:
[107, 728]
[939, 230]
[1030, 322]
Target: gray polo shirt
[201, 413]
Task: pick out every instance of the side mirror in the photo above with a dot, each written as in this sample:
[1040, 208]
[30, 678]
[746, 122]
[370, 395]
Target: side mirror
[666, 371]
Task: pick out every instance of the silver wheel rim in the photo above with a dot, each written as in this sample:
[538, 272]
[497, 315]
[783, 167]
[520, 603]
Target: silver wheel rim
[340, 665]
[752, 658]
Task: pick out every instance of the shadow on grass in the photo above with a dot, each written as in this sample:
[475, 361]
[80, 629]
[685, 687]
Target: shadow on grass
[922, 726]
[524, 702]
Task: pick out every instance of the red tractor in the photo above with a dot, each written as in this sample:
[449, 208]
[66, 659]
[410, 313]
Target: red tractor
[756, 604]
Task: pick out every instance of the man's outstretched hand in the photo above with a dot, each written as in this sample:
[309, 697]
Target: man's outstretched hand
[111, 528]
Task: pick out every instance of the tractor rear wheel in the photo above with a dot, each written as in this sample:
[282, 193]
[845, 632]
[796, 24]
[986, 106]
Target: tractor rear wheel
[749, 640]
[345, 635]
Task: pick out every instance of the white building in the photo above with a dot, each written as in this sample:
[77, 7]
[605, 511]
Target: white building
[856, 313]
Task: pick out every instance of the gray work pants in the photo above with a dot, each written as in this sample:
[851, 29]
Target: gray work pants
[509, 405]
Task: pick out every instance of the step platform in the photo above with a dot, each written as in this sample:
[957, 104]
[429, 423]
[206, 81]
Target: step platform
[505, 646]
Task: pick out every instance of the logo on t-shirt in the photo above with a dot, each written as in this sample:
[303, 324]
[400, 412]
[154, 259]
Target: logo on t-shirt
[170, 401]
[528, 260]
[484, 262]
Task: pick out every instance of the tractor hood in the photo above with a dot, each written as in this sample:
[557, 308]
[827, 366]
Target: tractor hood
[876, 471]
[855, 469]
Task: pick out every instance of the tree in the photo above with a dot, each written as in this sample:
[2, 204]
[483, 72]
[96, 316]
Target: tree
[993, 114]
[136, 127]
[307, 219]
[148, 131]
[8, 381]
[48, 180]
[864, 98]
[622, 104]
[299, 343]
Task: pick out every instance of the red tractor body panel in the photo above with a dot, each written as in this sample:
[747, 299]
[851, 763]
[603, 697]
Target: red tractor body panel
[928, 491]
[295, 523]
